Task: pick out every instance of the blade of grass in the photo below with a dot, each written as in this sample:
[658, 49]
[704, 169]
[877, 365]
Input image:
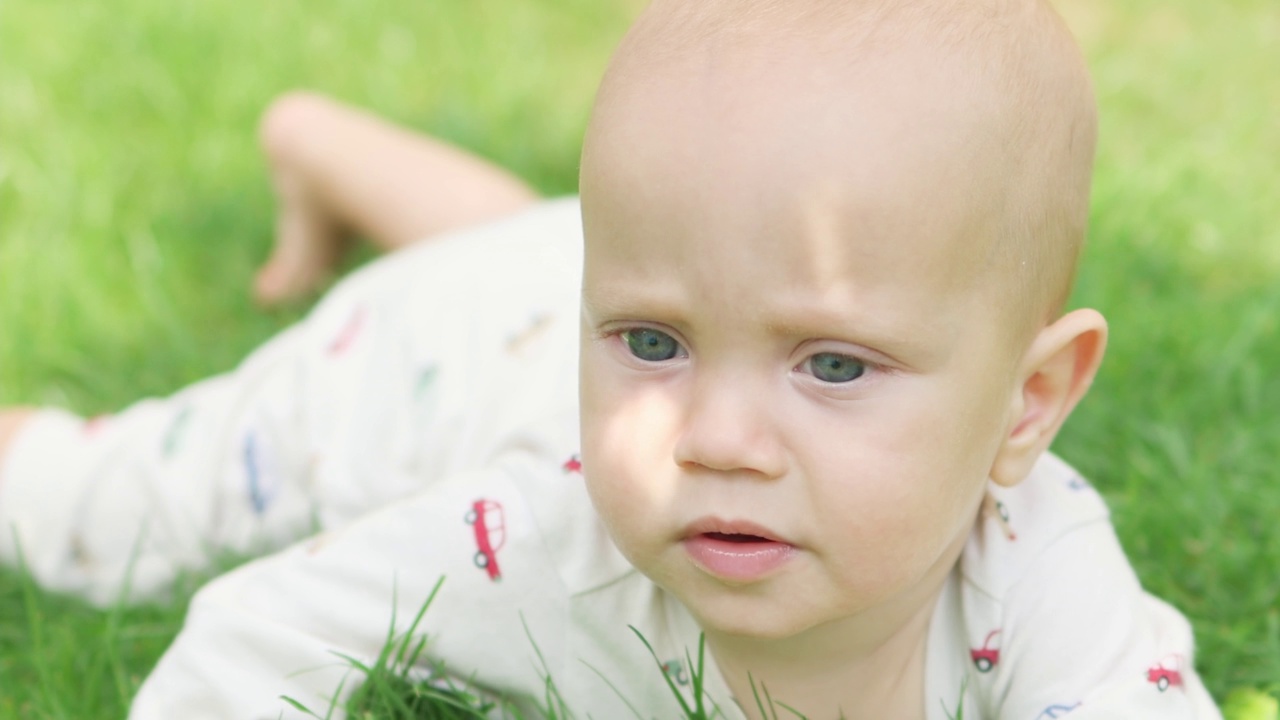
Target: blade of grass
[684, 705]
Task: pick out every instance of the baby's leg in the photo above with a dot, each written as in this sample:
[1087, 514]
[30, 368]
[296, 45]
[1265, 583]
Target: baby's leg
[339, 171]
[414, 368]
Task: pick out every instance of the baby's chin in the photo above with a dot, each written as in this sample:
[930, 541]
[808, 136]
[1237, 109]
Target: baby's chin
[761, 626]
[748, 613]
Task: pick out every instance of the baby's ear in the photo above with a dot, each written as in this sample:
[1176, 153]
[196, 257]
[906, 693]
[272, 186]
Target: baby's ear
[1056, 371]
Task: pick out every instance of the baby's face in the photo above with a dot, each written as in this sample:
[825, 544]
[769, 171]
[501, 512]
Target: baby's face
[794, 375]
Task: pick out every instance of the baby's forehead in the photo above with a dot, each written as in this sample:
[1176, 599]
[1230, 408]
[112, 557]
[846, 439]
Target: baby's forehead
[826, 169]
[808, 237]
[960, 141]
[764, 114]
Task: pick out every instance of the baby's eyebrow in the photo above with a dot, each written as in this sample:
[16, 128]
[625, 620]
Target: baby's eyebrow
[614, 304]
[892, 337]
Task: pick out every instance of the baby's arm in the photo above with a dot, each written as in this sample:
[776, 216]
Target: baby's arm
[1081, 633]
[532, 589]
[273, 627]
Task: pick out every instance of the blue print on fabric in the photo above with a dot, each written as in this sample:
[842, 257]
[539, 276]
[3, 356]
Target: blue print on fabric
[258, 497]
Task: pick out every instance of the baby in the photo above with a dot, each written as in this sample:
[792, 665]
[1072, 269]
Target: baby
[800, 407]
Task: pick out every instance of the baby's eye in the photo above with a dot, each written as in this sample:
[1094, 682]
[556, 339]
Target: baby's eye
[650, 345]
[833, 368]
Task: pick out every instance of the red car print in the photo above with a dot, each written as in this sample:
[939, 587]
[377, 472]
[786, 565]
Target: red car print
[347, 336]
[572, 465]
[1053, 712]
[485, 517]
[1163, 676]
[95, 424]
[986, 657]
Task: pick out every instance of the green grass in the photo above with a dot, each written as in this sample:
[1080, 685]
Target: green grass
[1182, 430]
[134, 207]
[402, 684]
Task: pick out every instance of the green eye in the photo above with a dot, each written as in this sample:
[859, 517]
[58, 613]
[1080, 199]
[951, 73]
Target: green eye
[833, 368]
[651, 345]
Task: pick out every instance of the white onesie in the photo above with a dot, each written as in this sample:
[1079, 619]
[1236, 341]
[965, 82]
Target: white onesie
[423, 420]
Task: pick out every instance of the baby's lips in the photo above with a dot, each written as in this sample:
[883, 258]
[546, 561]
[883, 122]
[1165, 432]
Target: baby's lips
[719, 526]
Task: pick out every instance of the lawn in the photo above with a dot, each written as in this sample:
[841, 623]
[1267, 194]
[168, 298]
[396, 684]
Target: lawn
[134, 208]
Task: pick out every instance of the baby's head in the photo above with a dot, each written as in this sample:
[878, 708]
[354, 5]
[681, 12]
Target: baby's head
[827, 250]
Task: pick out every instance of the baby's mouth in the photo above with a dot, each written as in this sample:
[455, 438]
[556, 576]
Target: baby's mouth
[736, 537]
[738, 557]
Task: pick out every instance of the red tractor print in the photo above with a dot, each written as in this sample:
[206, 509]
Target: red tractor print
[1166, 673]
[485, 517]
[986, 657]
[572, 465]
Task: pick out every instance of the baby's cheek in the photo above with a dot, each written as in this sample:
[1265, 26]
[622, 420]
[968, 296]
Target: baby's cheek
[617, 491]
[632, 432]
[606, 465]
[944, 514]
[622, 508]
[900, 521]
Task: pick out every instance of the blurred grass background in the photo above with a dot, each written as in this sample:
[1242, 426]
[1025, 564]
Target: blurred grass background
[134, 208]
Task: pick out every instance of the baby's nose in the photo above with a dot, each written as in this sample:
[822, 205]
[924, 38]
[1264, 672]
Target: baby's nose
[728, 428]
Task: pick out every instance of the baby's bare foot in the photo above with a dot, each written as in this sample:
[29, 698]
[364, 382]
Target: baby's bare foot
[309, 244]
